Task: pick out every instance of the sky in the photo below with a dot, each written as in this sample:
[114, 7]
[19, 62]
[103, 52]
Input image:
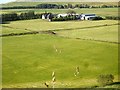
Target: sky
[5, 1]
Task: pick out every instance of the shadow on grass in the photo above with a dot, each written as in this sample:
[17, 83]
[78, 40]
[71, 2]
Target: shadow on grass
[115, 83]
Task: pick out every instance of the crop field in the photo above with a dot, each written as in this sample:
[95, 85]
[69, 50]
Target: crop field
[29, 60]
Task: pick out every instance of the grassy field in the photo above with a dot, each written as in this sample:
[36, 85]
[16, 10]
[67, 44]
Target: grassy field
[108, 33]
[7, 30]
[29, 60]
[99, 11]
[43, 25]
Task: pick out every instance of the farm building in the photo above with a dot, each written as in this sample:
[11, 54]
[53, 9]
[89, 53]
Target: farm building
[48, 16]
[44, 16]
[62, 15]
[87, 16]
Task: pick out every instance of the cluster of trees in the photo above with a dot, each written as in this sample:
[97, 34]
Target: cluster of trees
[23, 16]
[58, 6]
[98, 18]
[113, 17]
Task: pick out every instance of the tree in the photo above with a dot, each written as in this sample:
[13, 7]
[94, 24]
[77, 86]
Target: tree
[70, 6]
[71, 12]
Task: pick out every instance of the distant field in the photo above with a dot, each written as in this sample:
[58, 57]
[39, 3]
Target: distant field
[43, 25]
[106, 33]
[97, 11]
[73, 29]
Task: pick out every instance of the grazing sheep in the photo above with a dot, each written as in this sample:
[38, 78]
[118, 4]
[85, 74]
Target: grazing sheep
[77, 70]
[75, 74]
[53, 74]
[53, 79]
[46, 84]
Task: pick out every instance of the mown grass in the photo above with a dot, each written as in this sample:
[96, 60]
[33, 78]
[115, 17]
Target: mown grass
[28, 61]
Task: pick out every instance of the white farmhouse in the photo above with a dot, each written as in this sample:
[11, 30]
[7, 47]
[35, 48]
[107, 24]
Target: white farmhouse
[44, 16]
[87, 16]
[62, 15]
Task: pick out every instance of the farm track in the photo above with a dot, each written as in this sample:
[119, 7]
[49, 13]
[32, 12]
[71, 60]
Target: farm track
[52, 32]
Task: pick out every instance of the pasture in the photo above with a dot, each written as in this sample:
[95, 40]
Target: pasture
[29, 60]
[44, 25]
[98, 11]
[32, 58]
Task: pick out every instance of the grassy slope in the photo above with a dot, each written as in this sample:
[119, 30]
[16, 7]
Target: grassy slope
[28, 61]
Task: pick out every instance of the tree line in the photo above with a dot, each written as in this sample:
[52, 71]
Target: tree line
[31, 15]
[23, 16]
[58, 6]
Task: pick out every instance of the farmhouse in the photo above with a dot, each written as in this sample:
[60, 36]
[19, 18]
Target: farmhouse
[62, 15]
[87, 16]
[44, 16]
[49, 16]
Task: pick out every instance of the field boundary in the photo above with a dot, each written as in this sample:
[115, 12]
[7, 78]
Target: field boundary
[52, 32]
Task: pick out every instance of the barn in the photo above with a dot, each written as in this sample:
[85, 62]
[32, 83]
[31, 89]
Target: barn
[87, 16]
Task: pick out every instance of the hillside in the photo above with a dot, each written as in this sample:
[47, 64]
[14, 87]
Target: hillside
[28, 3]
[67, 0]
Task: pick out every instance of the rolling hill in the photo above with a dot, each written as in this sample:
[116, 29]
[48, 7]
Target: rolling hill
[67, 0]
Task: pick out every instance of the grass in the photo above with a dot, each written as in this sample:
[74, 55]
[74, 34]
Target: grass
[105, 33]
[43, 25]
[8, 30]
[98, 11]
[32, 58]
[29, 60]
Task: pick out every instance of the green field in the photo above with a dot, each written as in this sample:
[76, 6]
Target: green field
[108, 33]
[32, 58]
[98, 11]
[29, 60]
[7, 30]
[43, 25]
